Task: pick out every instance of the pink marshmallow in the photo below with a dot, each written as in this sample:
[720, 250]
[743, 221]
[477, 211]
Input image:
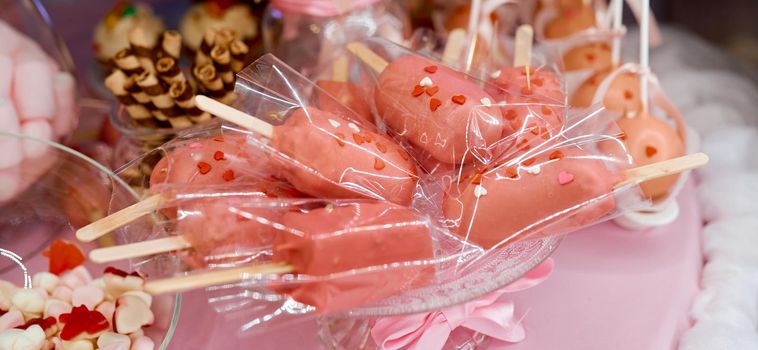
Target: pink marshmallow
[115, 346]
[65, 120]
[11, 319]
[6, 75]
[62, 293]
[33, 89]
[88, 296]
[77, 277]
[143, 343]
[12, 153]
[55, 308]
[11, 39]
[39, 129]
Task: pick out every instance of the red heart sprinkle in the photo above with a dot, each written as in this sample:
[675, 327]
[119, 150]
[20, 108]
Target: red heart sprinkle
[381, 147]
[430, 69]
[510, 114]
[650, 151]
[218, 155]
[203, 167]
[228, 175]
[459, 99]
[556, 155]
[434, 104]
[417, 90]
[432, 90]
[378, 164]
[340, 136]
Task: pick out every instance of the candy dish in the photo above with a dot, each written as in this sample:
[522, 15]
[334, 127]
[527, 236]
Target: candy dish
[49, 209]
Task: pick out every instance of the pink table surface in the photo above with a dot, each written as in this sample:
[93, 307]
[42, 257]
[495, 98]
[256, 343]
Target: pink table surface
[611, 289]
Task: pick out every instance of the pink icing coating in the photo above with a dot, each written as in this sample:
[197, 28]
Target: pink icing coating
[331, 157]
[347, 95]
[342, 238]
[504, 206]
[544, 87]
[180, 166]
[450, 131]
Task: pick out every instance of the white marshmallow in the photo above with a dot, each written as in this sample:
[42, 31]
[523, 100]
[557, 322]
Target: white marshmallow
[62, 293]
[28, 301]
[131, 315]
[33, 89]
[6, 75]
[78, 345]
[12, 153]
[98, 282]
[31, 339]
[45, 280]
[77, 277]
[55, 307]
[143, 343]
[8, 338]
[65, 104]
[147, 298]
[39, 129]
[7, 290]
[116, 285]
[88, 296]
[11, 319]
[111, 338]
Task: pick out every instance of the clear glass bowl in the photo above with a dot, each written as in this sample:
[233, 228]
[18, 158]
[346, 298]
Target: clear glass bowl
[51, 204]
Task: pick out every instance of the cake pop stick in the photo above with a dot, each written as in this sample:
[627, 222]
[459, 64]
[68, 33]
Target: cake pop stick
[454, 47]
[617, 7]
[441, 112]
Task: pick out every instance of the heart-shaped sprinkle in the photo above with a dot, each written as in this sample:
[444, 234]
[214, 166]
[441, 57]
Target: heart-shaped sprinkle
[430, 69]
[650, 151]
[459, 99]
[358, 139]
[528, 162]
[565, 177]
[426, 82]
[495, 74]
[486, 102]
[403, 155]
[353, 127]
[381, 147]
[334, 123]
[340, 136]
[480, 191]
[218, 155]
[432, 90]
[535, 170]
[378, 164]
[204, 167]
[417, 90]
[556, 155]
[228, 175]
[434, 104]
[511, 172]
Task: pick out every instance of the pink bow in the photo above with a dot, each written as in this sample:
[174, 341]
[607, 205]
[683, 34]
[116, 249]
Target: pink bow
[487, 315]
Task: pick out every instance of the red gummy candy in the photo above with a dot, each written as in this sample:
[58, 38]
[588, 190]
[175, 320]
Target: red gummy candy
[82, 320]
[121, 273]
[44, 323]
[63, 256]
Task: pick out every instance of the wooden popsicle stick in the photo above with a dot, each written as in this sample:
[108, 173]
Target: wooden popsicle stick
[340, 69]
[376, 62]
[664, 168]
[139, 249]
[454, 46]
[122, 217]
[522, 55]
[233, 115]
[212, 278]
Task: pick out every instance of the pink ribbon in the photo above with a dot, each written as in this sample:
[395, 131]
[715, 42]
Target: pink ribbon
[320, 8]
[487, 315]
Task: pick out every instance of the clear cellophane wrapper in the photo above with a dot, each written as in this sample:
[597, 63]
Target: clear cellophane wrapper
[369, 254]
[289, 31]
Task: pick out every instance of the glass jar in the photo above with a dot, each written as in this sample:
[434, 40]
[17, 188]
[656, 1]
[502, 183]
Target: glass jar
[297, 34]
